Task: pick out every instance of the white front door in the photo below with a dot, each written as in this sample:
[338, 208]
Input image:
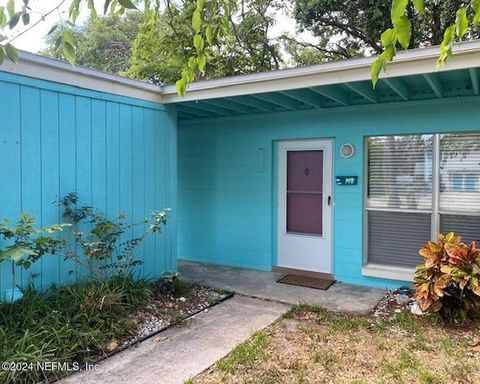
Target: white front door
[305, 205]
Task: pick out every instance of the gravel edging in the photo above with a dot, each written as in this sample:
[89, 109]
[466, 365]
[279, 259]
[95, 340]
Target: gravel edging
[122, 348]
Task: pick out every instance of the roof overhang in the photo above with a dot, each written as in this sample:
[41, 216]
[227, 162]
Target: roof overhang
[413, 62]
[341, 83]
[44, 68]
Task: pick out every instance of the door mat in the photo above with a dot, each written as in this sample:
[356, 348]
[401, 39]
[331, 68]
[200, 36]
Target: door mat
[306, 281]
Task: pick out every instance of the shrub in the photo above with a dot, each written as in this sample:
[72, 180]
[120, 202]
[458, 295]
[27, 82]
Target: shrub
[106, 246]
[448, 280]
[27, 244]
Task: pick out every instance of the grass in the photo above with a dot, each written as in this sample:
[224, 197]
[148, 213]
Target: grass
[312, 345]
[78, 323]
[69, 324]
[244, 355]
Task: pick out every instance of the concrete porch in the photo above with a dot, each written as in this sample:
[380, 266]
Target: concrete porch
[351, 299]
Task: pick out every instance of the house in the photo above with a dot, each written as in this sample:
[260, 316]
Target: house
[307, 168]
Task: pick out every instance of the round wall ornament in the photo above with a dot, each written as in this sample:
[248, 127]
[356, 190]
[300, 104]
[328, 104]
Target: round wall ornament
[347, 150]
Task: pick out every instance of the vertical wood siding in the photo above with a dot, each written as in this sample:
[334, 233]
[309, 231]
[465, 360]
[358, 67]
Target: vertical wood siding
[118, 154]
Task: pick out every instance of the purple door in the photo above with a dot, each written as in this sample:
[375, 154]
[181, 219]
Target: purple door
[305, 192]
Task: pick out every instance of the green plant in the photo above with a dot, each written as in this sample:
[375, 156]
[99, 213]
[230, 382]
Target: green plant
[104, 242]
[448, 280]
[27, 244]
[69, 324]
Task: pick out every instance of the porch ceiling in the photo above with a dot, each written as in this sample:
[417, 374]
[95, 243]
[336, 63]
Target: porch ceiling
[445, 84]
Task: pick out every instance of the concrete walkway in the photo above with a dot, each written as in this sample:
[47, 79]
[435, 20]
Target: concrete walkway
[183, 352]
[356, 300]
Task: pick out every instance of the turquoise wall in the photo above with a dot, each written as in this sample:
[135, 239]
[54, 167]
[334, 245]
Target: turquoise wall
[227, 210]
[117, 153]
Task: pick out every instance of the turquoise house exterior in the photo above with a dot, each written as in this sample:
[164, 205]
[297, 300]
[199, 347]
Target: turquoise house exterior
[233, 160]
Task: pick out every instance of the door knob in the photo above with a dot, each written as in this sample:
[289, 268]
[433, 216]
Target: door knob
[329, 200]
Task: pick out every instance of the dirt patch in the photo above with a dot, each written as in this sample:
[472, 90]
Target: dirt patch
[172, 306]
[312, 345]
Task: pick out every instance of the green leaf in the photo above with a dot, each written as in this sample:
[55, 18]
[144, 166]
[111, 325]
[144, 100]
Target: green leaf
[198, 43]
[11, 7]
[200, 4]
[201, 62]
[389, 37]
[446, 45]
[11, 53]
[398, 9]
[3, 18]
[93, 11]
[74, 10]
[14, 20]
[2, 55]
[419, 6]
[181, 86]
[16, 253]
[404, 31]
[67, 36]
[209, 34]
[69, 52]
[127, 4]
[476, 11]
[197, 21]
[461, 22]
[388, 54]
[375, 70]
[26, 18]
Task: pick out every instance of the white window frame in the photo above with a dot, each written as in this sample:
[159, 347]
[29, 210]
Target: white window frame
[393, 272]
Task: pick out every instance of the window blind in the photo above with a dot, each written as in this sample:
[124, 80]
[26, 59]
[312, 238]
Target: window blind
[400, 172]
[459, 198]
[399, 198]
[460, 173]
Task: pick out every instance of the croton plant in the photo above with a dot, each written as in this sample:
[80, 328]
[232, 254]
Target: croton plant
[448, 280]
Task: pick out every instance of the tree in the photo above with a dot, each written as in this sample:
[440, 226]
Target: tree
[353, 28]
[103, 44]
[163, 48]
[467, 20]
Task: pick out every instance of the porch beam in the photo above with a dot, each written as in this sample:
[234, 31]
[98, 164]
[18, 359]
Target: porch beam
[186, 115]
[193, 111]
[278, 99]
[209, 108]
[365, 90]
[253, 102]
[474, 79]
[305, 96]
[434, 83]
[227, 104]
[334, 93]
[398, 86]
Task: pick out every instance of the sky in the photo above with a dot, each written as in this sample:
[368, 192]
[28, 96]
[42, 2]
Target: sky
[33, 40]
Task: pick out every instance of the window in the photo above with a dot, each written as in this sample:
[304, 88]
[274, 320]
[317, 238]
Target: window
[459, 167]
[419, 185]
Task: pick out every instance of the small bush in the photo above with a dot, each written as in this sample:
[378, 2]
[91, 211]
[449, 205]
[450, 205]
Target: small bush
[448, 280]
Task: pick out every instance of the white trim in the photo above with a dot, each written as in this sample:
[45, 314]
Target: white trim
[385, 272]
[415, 61]
[43, 68]
[435, 224]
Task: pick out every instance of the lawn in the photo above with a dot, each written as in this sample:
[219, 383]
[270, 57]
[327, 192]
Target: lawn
[312, 345]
